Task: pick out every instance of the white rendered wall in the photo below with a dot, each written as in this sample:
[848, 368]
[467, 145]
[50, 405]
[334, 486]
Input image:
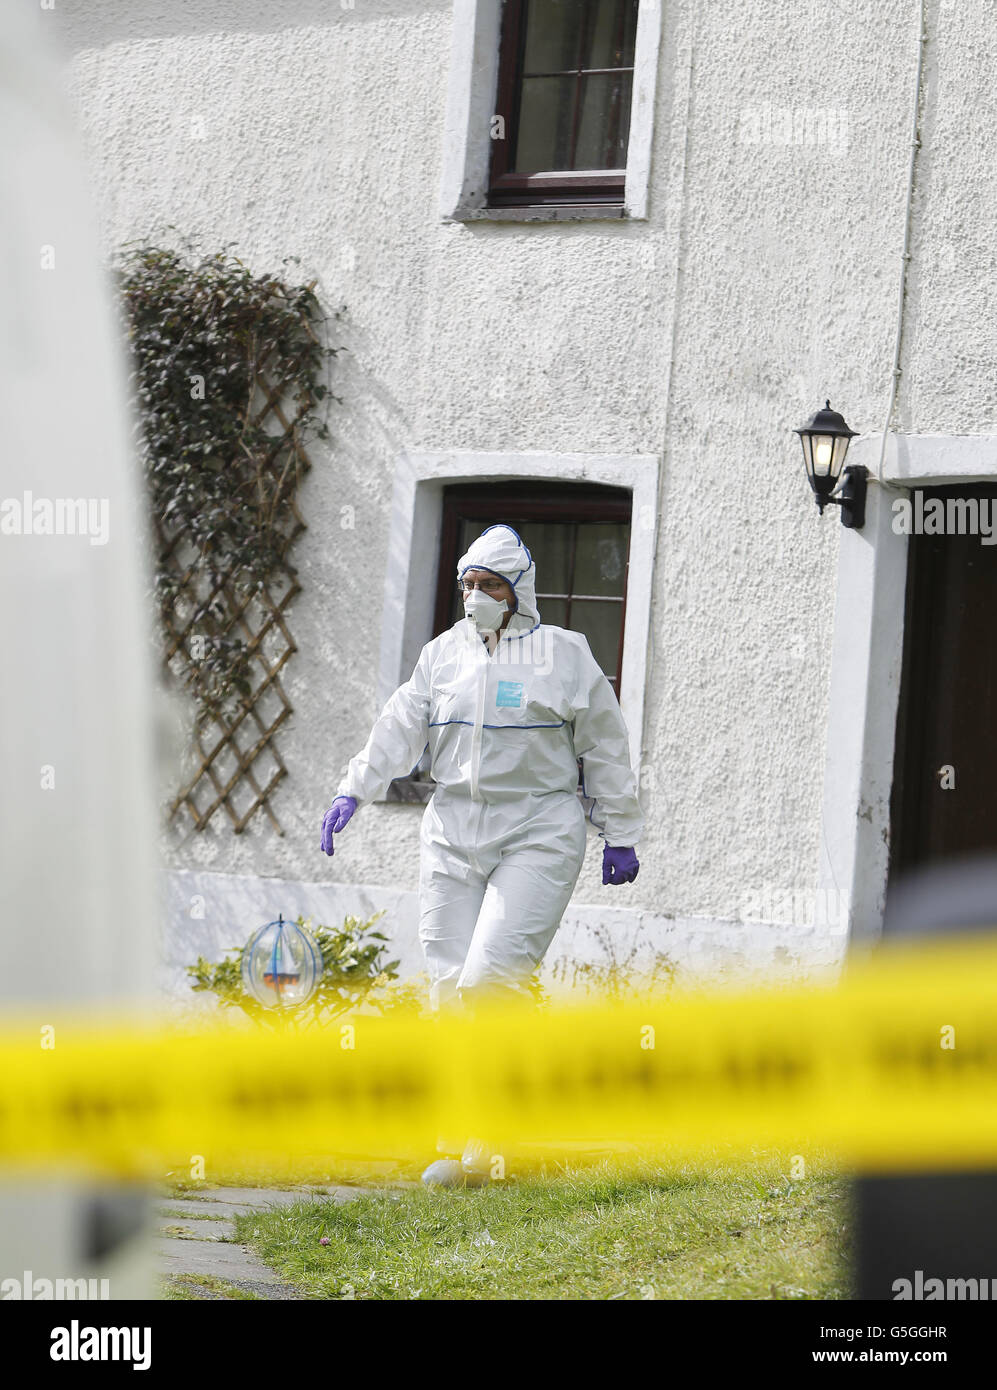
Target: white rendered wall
[762, 281]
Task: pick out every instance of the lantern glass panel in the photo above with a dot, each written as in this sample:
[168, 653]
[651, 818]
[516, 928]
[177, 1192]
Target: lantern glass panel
[840, 450]
[806, 441]
[823, 454]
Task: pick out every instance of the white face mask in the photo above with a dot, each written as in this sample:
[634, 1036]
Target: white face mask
[484, 611]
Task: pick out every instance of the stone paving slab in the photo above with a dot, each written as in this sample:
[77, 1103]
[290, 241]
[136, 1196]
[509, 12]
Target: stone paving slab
[221, 1212]
[212, 1251]
[209, 1205]
[205, 1256]
[266, 1287]
[252, 1196]
[221, 1260]
[264, 1290]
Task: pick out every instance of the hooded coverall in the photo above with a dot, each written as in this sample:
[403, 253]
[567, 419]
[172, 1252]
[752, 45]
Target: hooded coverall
[503, 835]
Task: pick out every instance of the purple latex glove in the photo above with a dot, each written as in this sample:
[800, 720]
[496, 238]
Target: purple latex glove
[619, 865]
[335, 819]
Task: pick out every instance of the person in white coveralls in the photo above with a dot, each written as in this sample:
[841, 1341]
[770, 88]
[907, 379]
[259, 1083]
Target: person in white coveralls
[506, 705]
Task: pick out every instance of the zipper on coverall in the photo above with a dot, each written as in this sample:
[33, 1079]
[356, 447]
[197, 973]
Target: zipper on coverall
[483, 659]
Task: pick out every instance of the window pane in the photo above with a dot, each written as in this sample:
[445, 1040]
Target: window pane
[566, 34]
[549, 542]
[600, 563]
[600, 623]
[552, 611]
[604, 127]
[612, 44]
[551, 35]
[545, 115]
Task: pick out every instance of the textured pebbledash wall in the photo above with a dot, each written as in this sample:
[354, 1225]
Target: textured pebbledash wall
[764, 280]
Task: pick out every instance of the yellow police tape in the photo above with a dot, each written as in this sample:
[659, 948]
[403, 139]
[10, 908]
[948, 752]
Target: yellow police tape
[895, 1067]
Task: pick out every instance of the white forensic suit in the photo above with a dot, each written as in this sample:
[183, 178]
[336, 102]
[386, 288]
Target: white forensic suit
[503, 836]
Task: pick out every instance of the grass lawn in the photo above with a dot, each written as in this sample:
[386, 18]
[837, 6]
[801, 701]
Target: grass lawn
[602, 1231]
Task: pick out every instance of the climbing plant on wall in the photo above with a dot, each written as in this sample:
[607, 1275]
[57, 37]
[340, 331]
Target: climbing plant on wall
[230, 382]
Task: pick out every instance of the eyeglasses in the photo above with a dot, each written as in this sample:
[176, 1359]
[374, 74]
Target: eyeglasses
[490, 586]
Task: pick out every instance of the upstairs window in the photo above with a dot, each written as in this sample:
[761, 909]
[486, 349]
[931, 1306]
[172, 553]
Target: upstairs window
[565, 89]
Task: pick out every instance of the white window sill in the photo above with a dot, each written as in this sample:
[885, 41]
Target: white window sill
[576, 212]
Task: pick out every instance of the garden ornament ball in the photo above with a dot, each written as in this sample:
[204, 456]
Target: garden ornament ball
[281, 965]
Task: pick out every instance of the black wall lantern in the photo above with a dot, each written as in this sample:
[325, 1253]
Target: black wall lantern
[825, 439]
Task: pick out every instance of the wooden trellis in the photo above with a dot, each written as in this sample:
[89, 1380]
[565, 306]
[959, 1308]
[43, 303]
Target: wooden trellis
[239, 765]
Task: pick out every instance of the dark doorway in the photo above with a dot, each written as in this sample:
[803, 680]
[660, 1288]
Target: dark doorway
[948, 693]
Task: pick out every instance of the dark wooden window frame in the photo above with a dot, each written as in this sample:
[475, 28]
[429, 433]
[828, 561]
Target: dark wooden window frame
[564, 187]
[527, 500]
